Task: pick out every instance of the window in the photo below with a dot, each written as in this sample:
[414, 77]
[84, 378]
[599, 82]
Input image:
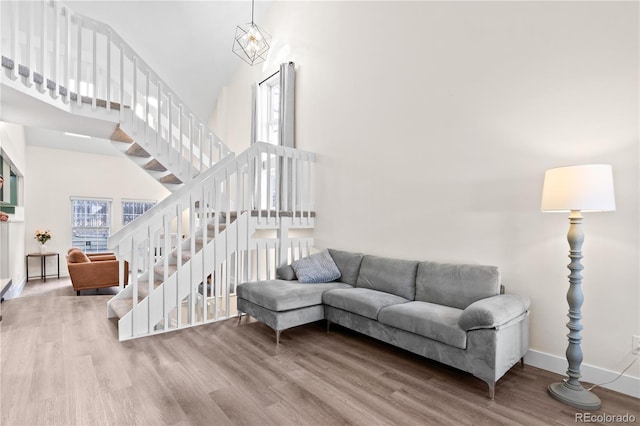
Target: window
[268, 110]
[273, 122]
[273, 115]
[90, 224]
[132, 209]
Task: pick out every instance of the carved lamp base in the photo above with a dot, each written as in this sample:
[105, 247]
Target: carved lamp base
[581, 398]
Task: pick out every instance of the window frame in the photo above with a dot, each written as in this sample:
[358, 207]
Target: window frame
[268, 110]
[139, 201]
[101, 243]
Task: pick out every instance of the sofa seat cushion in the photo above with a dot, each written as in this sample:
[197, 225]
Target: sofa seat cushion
[280, 295]
[437, 322]
[361, 301]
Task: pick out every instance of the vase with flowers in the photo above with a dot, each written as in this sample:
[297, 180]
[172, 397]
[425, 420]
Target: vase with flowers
[43, 237]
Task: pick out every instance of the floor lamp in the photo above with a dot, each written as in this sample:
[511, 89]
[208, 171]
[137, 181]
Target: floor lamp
[576, 189]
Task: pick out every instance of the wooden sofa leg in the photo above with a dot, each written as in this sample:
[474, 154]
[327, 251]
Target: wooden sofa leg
[328, 325]
[277, 337]
[492, 390]
[78, 293]
[522, 362]
[239, 317]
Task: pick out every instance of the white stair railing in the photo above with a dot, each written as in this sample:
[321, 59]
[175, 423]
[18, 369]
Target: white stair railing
[83, 65]
[216, 217]
[230, 220]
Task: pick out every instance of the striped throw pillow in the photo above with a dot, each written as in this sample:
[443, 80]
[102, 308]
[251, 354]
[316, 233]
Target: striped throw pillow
[317, 268]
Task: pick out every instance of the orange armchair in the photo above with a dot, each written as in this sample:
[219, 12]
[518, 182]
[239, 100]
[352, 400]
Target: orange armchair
[95, 270]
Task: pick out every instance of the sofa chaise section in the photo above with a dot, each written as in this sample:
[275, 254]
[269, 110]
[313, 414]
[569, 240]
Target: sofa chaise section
[284, 304]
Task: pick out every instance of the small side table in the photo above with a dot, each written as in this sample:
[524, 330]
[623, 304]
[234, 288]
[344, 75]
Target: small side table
[43, 265]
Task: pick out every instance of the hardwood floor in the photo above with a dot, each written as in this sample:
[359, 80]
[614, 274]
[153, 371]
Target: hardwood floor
[61, 364]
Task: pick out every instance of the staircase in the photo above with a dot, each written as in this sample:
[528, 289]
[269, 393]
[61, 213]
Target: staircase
[229, 218]
[82, 72]
[236, 222]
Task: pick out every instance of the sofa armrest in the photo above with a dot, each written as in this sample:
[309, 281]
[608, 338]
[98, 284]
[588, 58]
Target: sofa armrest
[101, 257]
[493, 311]
[106, 255]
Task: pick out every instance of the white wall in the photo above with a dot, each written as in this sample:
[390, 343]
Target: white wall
[12, 143]
[56, 175]
[12, 233]
[434, 123]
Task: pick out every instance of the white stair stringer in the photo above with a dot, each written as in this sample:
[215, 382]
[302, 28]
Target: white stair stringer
[27, 106]
[143, 317]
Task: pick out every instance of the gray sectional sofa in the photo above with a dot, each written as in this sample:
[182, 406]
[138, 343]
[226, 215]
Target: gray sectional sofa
[456, 314]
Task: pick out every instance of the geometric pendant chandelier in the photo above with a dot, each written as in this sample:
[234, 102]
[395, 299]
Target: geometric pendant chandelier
[251, 43]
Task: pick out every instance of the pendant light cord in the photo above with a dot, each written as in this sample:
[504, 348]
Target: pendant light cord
[252, 5]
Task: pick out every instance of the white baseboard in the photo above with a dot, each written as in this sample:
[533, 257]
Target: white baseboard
[627, 385]
[15, 290]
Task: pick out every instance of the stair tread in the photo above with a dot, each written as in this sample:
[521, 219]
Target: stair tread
[143, 288]
[170, 178]
[221, 226]
[160, 269]
[155, 165]
[121, 306]
[186, 254]
[136, 150]
[119, 135]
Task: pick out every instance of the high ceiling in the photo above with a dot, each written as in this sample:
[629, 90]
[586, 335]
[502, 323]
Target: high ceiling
[187, 43]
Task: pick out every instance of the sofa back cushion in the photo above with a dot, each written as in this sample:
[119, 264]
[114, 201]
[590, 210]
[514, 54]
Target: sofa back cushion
[349, 265]
[77, 256]
[285, 272]
[393, 276]
[456, 285]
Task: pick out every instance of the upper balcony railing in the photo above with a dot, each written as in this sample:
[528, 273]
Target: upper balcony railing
[84, 63]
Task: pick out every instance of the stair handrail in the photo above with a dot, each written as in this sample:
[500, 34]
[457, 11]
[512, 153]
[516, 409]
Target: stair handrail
[143, 220]
[218, 170]
[65, 18]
